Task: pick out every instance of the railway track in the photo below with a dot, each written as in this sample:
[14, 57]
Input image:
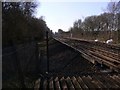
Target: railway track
[78, 82]
[96, 52]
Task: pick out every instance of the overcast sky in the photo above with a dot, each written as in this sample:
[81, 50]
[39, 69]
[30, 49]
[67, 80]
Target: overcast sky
[61, 15]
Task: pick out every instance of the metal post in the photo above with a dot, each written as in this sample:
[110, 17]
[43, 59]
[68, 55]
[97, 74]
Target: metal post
[47, 51]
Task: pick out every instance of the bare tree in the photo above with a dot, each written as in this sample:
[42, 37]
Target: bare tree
[112, 9]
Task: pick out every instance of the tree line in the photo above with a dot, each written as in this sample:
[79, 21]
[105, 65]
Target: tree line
[104, 26]
[19, 25]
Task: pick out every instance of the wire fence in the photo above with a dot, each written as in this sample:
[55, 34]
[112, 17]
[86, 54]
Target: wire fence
[20, 60]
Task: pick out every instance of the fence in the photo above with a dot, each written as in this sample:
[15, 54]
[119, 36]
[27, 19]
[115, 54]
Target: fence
[20, 60]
